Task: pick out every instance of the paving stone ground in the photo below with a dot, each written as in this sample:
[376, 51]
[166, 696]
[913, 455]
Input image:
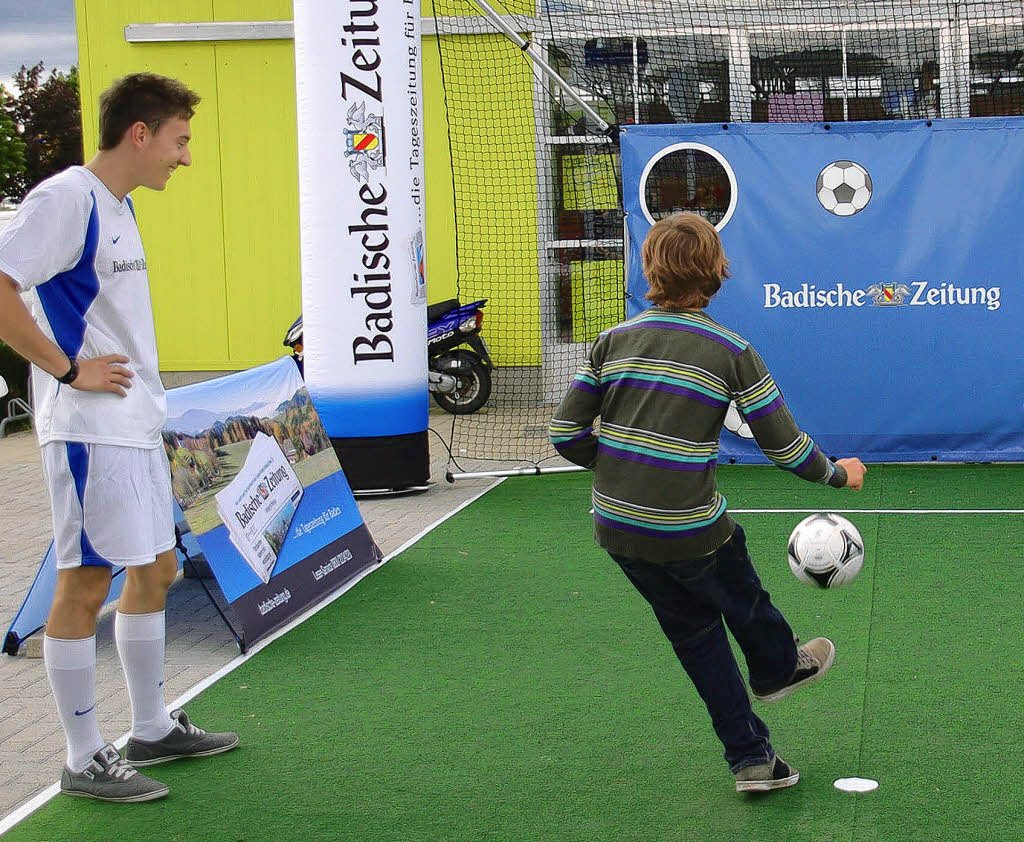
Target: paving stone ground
[198, 642]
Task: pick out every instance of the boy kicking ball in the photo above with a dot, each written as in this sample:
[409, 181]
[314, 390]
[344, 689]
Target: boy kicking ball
[75, 249]
[661, 384]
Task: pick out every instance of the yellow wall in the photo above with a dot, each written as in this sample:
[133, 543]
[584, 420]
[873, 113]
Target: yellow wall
[439, 210]
[596, 297]
[493, 138]
[184, 229]
[222, 242]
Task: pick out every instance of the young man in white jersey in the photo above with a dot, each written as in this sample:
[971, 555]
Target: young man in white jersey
[74, 250]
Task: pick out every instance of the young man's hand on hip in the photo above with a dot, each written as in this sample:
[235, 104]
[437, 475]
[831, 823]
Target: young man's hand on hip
[104, 374]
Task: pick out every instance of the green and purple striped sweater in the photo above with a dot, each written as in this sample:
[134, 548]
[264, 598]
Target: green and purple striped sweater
[661, 384]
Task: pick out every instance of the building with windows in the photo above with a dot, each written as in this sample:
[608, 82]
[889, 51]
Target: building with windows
[222, 241]
[522, 205]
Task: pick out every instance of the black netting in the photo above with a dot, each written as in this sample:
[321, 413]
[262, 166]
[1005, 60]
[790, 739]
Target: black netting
[536, 176]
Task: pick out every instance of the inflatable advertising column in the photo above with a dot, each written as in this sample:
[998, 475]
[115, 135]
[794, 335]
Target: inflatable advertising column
[357, 68]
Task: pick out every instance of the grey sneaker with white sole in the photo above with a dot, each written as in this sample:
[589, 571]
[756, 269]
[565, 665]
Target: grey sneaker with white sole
[109, 777]
[775, 774]
[184, 740]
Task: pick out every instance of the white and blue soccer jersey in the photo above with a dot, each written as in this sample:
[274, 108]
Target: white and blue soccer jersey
[75, 249]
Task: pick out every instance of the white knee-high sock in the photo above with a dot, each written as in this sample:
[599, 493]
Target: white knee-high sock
[71, 668]
[140, 643]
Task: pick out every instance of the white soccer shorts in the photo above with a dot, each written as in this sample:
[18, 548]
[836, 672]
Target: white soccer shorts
[112, 506]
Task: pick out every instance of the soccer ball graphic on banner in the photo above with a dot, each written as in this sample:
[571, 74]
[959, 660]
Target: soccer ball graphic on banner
[844, 188]
[825, 551]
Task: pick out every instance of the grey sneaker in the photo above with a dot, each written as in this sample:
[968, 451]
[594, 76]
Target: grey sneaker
[775, 774]
[185, 740]
[813, 660]
[109, 777]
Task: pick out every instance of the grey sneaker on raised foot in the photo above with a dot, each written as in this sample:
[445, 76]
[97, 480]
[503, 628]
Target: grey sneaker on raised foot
[813, 660]
[184, 740]
[775, 774]
[109, 777]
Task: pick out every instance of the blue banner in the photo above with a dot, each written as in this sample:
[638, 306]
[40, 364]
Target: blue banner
[876, 269]
[264, 495]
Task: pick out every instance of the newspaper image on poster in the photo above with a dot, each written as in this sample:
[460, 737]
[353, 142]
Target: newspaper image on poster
[258, 505]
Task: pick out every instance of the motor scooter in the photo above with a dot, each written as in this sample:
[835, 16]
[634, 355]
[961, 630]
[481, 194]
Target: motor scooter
[459, 378]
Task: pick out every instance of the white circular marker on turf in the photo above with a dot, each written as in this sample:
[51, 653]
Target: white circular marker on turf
[856, 784]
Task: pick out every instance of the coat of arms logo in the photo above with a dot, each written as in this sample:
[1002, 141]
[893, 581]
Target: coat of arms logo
[888, 295]
[364, 140]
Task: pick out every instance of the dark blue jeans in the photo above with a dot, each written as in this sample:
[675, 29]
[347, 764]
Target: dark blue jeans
[690, 598]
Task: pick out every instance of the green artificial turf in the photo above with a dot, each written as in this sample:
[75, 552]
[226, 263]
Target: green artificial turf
[501, 680]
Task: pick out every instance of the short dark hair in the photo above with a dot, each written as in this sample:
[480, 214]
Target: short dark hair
[683, 261]
[146, 98]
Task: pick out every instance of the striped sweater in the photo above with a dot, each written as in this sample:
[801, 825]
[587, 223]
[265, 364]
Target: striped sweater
[661, 384]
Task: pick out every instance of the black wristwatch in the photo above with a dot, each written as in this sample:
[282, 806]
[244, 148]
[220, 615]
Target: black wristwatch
[69, 378]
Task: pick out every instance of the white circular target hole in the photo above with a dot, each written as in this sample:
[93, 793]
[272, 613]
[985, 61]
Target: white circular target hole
[689, 177]
[856, 784]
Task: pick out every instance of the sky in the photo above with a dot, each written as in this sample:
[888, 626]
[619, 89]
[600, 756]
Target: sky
[36, 30]
[264, 387]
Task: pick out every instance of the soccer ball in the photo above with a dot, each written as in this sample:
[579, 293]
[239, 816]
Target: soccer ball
[736, 424]
[844, 188]
[825, 551]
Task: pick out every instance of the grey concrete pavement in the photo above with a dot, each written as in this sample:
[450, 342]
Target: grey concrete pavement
[198, 643]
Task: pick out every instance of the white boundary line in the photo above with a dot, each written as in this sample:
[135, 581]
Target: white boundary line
[874, 511]
[29, 807]
[881, 511]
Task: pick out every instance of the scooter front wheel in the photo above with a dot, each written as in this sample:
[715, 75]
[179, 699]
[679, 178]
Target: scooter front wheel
[472, 377]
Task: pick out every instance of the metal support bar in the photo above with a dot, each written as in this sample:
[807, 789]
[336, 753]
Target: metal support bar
[139, 33]
[528, 48]
[180, 547]
[278, 30]
[17, 409]
[13, 415]
[534, 471]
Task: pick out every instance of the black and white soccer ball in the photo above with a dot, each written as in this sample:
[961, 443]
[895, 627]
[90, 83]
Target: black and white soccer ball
[825, 551]
[844, 188]
[736, 424]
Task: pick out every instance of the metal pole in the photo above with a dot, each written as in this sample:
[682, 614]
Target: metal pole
[536, 470]
[547, 69]
[846, 82]
[180, 547]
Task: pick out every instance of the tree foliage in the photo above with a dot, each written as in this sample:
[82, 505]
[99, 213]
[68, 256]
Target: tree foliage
[47, 120]
[12, 152]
